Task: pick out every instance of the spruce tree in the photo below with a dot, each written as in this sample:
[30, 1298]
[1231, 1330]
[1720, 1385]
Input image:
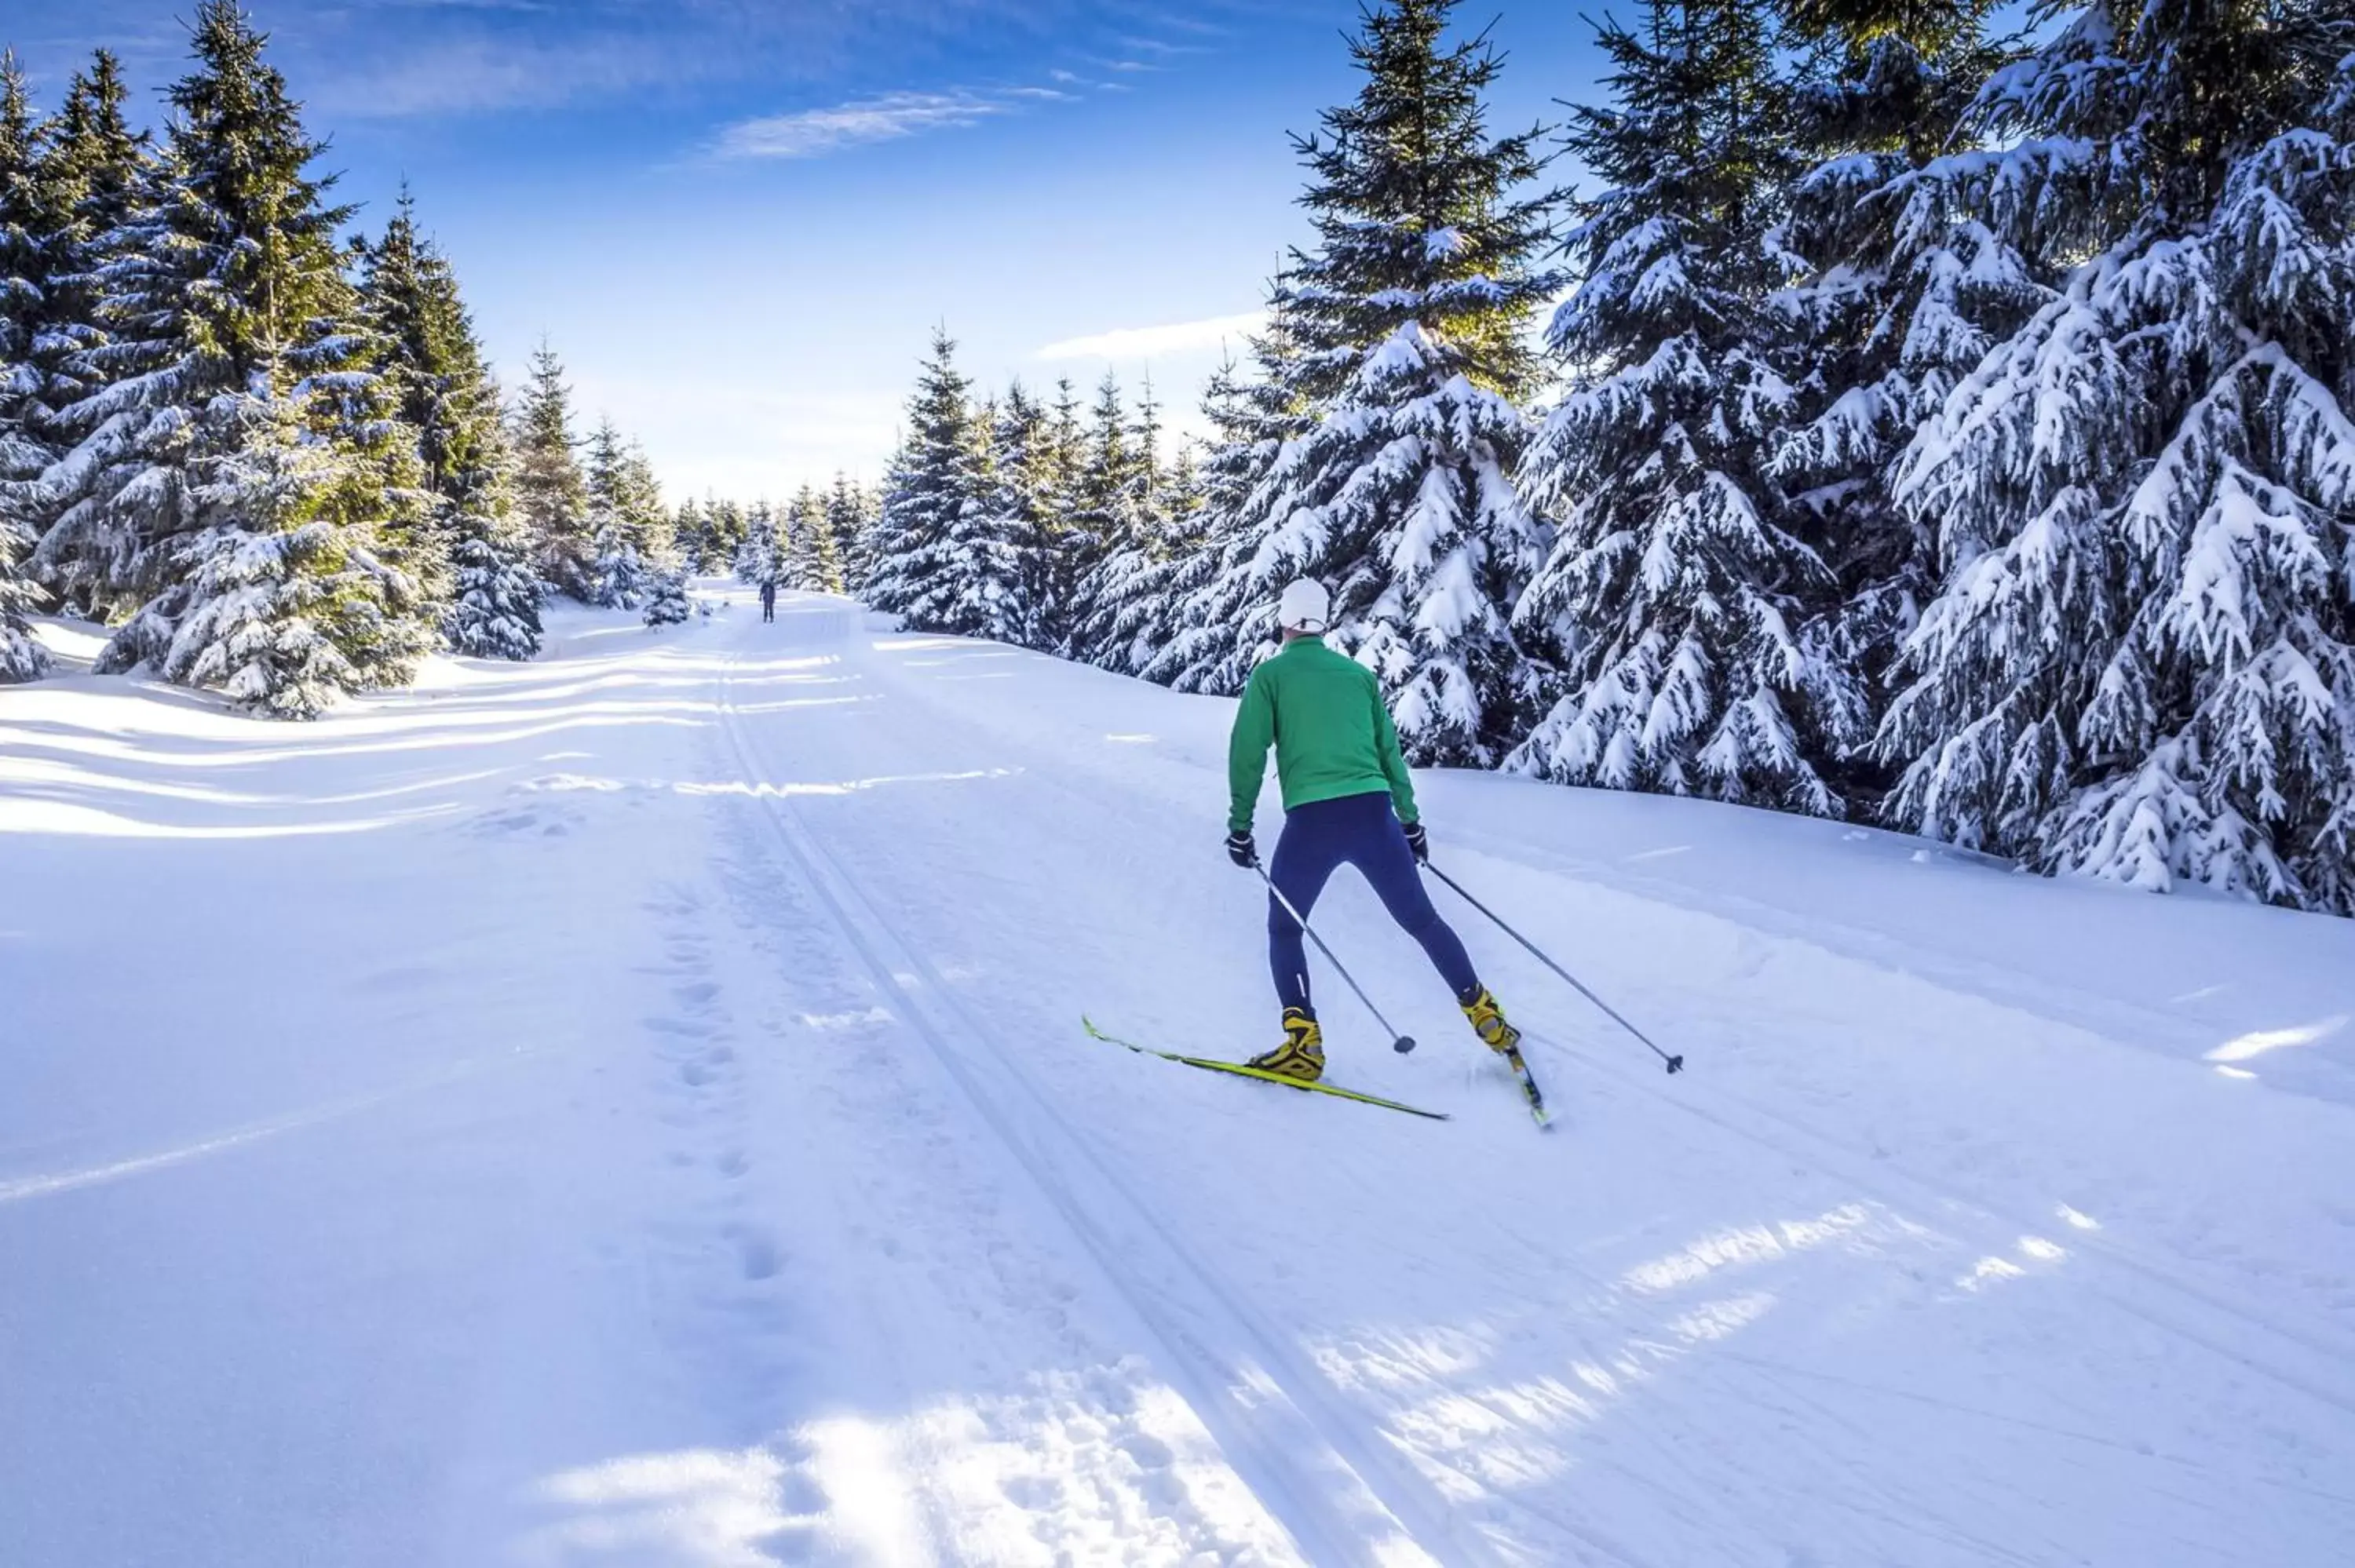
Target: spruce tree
[825, 558]
[1125, 612]
[760, 554]
[551, 495]
[615, 523]
[426, 350]
[805, 527]
[642, 506]
[848, 514]
[1905, 291]
[231, 490]
[666, 601]
[1051, 579]
[28, 234]
[723, 527]
[1224, 619]
[993, 547]
[1144, 614]
[1097, 521]
[87, 164]
[689, 527]
[1411, 316]
[2141, 663]
[1683, 605]
[934, 482]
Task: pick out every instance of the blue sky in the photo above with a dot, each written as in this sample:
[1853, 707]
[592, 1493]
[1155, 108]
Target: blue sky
[738, 221]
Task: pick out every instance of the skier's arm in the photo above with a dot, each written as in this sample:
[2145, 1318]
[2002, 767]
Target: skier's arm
[1386, 745]
[1247, 753]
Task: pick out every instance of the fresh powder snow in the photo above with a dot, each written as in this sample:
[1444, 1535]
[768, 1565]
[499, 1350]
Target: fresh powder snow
[632, 1108]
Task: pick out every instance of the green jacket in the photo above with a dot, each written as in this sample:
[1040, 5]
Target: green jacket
[1323, 712]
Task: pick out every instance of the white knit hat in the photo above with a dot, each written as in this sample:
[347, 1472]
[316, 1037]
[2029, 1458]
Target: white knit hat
[1305, 606]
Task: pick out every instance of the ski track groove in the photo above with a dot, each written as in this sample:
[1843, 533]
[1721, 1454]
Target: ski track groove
[1312, 1520]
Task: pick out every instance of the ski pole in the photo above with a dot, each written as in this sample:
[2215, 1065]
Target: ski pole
[1401, 1043]
[1675, 1063]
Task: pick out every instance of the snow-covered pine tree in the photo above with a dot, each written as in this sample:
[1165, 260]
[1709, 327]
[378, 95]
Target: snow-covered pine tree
[847, 513]
[1127, 612]
[1132, 602]
[232, 447]
[616, 526]
[1224, 622]
[1412, 314]
[723, 528]
[426, 349]
[760, 554]
[990, 555]
[690, 526]
[1049, 581]
[805, 525]
[642, 504]
[551, 495]
[497, 611]
[933, 480]
[30, 231]
[1149, 614]
[666, 601]
[1904, 292]
[964, 591]
[382, 486]
[87, 164]
[1025, 484]
[1685, 610]
[2139, 665]
[275, 600]
[825, 552]
[1097, 525]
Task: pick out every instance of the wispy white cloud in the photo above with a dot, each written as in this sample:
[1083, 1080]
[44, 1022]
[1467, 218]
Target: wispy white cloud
[814, 132]
[1144, 343]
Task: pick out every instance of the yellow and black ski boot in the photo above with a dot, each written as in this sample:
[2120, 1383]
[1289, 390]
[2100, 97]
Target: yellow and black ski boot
[1488, 1023]
[1302, 1055]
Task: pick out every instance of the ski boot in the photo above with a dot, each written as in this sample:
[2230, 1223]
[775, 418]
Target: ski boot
[1487, 1021]
[1302, 1055]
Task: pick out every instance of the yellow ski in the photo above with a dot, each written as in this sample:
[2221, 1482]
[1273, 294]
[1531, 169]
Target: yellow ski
[1244, 1070]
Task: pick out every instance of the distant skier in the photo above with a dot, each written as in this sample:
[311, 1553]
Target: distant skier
[768, 601]
[1346, 798]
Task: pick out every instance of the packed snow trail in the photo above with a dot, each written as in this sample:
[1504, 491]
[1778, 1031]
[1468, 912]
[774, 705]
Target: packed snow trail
[632, 1108]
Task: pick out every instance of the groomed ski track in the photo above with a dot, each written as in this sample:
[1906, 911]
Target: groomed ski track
[759, 1201]
[1226, 1361]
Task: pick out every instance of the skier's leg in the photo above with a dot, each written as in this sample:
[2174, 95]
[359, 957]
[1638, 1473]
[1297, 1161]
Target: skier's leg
[1378, 848]
[1306, 852]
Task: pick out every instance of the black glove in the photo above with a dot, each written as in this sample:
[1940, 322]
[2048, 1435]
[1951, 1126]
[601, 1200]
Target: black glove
[1241, 851]
[1419, 842]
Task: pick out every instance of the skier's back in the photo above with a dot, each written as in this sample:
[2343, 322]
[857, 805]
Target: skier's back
[1347, 800]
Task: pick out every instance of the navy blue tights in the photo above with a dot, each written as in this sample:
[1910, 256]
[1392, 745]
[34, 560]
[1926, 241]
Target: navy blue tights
[1360, 830]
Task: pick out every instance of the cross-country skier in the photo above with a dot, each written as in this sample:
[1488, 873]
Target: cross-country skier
[768, 601]
[1346, 798]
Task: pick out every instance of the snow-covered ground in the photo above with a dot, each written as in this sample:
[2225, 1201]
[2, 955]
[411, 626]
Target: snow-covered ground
[631, 1109]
